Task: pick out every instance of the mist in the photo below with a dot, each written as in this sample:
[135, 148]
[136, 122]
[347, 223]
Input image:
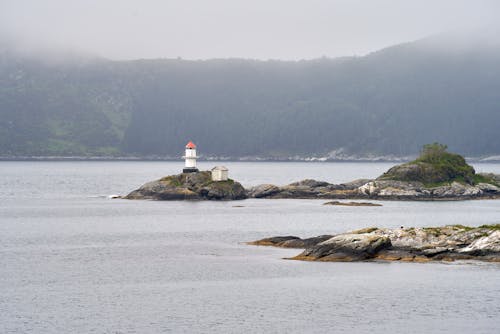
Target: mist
[271, 29]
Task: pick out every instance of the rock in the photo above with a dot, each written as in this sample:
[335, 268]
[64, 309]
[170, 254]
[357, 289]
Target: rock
[309, 183]
[488, 188]
[354, 184]
[424, 238]
[304, 189]
[395, 255]
[413, 172]
[352, 203]
[369, 189]
[429, 173]
[391, 189]
[161, 190]
[309, 242]
[456, 190]
[223, 190]
[380, 189]
[346, 248]
[273, 241]
[189, 186]
[435, 251]
[484, 245]
[434, 165]
[297, 192]
[263, 190]
[448, 243]
[290, 241]
[435, 175]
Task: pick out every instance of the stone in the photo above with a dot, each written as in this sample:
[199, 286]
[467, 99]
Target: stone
[434, 165]
[456, 189]
[309, 183]
[447, 243]
[377, 189]
[273, 241]
[337, 203]
[488, 188]
[189, 186]
[290, 241]
[486, 244]
[347, 247]
[263, 190]
[403, 182]
[354, 184]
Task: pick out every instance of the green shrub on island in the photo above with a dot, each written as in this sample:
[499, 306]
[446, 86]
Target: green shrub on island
[434, 167]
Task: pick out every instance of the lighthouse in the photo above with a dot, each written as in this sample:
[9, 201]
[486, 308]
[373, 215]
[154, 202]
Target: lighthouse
[190, 157]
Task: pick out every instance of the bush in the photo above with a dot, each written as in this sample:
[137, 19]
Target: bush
[434, 166]
[432, 152]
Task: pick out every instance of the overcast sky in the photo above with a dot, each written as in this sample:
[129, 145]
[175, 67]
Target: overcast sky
[262, 29]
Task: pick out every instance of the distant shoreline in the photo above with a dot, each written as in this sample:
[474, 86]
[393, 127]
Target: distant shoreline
[179, 159]
[492, 159]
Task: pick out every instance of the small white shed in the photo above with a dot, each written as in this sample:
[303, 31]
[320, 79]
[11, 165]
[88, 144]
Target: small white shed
[220, 173]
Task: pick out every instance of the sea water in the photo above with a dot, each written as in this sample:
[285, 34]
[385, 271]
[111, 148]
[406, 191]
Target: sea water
[72, 260]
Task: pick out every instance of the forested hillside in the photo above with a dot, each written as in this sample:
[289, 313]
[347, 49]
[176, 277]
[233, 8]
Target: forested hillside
[388, 102]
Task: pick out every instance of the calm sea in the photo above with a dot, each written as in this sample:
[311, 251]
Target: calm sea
[74, 261]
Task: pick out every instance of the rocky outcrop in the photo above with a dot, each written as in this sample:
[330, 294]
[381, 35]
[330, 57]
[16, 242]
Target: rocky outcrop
[290, 241]
[426, 172]
[435, 175]
[434, 165]
[337, 203]
[189, 186]
[346, 248]
[489, 243]
[378, 190]
[263, 190]
[199, 186]
[307, 189]
[447, 243]
[389, 189]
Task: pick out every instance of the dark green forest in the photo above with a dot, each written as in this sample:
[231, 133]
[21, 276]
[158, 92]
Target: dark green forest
[389, 102]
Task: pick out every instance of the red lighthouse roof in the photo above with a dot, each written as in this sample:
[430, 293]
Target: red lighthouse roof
[190, 145]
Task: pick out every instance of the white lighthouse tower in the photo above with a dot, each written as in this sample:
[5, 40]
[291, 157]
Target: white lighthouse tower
[190, 157]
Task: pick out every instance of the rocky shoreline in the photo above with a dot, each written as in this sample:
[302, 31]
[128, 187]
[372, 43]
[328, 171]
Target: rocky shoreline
[448, 243]
[198, 186]
[435, 175]
[377, 190]
[337, 203]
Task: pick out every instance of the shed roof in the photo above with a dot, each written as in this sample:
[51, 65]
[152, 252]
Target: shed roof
[220, 168]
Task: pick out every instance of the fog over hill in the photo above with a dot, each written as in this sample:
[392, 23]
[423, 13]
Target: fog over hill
[389, 102]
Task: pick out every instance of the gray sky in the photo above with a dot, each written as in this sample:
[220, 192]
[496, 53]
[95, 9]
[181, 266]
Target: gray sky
[262, 29]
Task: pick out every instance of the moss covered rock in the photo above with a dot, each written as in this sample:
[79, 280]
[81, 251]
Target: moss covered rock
[189, 186]
[435, 166]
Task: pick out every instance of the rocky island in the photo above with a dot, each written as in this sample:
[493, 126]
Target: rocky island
[190, 186]
[435, 175]
[448, 243]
